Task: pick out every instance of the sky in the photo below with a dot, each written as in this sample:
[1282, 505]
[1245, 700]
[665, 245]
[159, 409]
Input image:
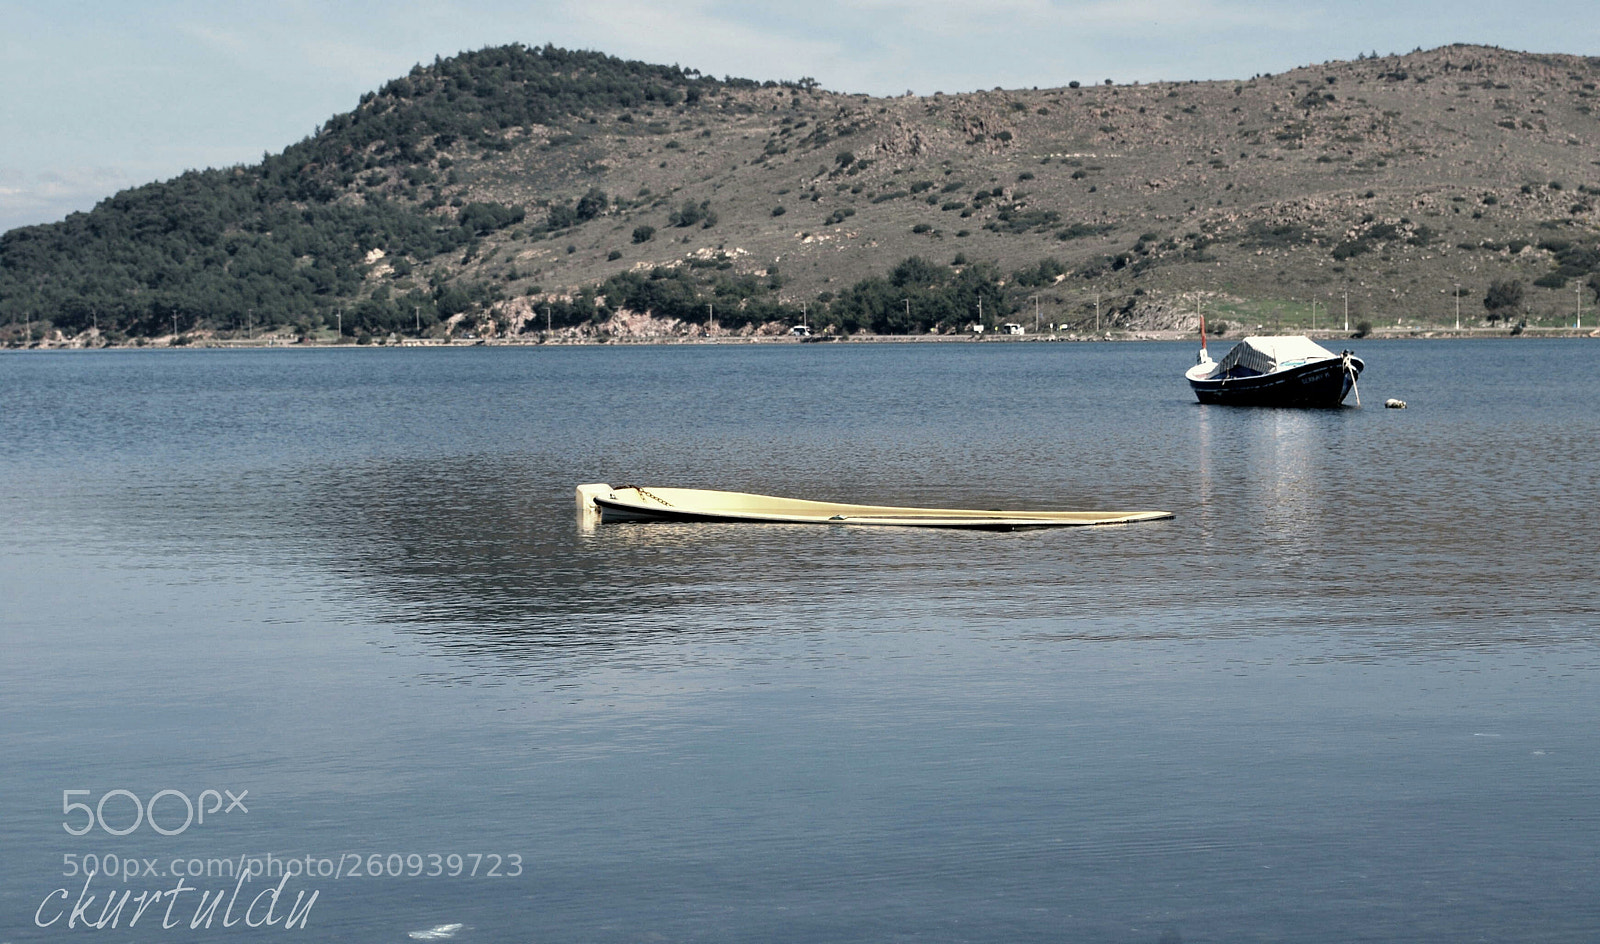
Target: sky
[100, 95]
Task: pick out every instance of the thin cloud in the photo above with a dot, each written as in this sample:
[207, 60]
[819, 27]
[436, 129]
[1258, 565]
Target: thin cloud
[27, 198]
[220, 40]
[693, 34]
[354, 61]
[1204, 15]
[901, 22]
[295, 47]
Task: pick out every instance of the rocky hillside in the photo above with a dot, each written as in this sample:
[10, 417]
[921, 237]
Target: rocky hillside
[507, 190]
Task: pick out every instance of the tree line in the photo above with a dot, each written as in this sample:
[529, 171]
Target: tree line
[917, 296]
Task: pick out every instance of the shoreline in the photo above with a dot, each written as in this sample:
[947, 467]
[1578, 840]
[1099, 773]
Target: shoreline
[164, 342]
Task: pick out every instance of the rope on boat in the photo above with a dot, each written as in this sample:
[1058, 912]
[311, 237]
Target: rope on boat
[1351, 371]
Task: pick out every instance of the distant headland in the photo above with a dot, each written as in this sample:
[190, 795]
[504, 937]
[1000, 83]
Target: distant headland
[541, 195]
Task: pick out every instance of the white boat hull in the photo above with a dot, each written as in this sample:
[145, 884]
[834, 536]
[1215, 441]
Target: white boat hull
[632, 503]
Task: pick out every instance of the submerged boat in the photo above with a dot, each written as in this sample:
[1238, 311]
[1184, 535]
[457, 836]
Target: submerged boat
[632, 503]
[1275, 370]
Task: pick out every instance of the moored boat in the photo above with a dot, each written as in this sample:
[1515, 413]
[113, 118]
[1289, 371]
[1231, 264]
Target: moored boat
[1275, 370]
[632, 503]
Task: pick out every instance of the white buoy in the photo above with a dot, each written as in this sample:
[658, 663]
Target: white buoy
[1393, 404]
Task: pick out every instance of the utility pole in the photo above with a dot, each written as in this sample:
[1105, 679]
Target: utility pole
[1458, 306]
[250, 323]
[804, 323]
[908, 310]
[1096, 312]
[1347, 310]
[174, 327]
[1579, 325]
[339, 314]
[416, 312]
[1035, 314]
[711, 319]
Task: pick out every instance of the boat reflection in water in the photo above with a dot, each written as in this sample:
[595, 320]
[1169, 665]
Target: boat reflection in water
[1262, 474]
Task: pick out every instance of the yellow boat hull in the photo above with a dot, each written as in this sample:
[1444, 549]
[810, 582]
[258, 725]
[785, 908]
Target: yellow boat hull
[632, 503]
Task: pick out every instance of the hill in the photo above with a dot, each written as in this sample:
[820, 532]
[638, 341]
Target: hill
[511, 189]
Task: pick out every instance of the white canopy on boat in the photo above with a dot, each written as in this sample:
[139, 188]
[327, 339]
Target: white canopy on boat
[1272, 352]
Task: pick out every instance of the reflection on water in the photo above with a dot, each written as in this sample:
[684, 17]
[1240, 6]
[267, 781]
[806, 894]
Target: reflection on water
[1291, 500]
[1375, 532]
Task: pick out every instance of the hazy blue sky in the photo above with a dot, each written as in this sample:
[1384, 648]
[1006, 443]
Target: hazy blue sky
[97, 95]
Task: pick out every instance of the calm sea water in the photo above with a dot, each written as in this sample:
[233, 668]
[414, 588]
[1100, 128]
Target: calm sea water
[1347, 694]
